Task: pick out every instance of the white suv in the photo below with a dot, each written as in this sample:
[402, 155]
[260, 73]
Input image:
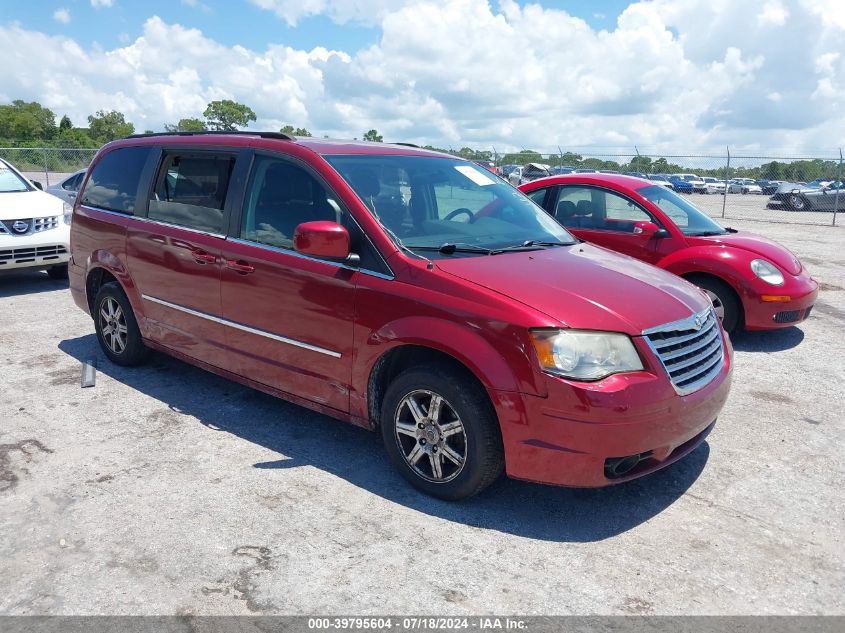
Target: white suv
[34, 226]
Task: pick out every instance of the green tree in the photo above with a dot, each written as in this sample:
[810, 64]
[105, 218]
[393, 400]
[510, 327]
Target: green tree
[107, 126]
[571, 159]
[227, 115]
[292, 131]
[26, 121]
[522, 158]
[373, 135]
[186, 125]
[65, 124]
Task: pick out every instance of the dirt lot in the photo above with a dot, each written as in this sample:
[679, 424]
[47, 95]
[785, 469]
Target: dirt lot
[167, 490]
[753, 207]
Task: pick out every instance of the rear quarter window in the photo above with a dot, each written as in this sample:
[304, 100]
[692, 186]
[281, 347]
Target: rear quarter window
[113, 184]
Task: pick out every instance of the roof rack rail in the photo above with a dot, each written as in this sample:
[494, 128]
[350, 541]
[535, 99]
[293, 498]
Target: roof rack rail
[278, 135]
[407, 145]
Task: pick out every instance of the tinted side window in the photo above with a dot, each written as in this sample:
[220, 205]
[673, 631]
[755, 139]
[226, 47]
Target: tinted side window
[280, 197]
[72, 184]
[539, 196]
[587, 207]
[190, 191]
[113, 184]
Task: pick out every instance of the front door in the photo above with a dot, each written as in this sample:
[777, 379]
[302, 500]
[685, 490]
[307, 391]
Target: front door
[608, 219]
[288, 317]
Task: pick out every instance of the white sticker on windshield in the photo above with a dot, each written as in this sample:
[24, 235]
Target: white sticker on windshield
[475, 175]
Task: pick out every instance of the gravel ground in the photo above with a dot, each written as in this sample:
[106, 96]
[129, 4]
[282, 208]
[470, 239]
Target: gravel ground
[167, 490]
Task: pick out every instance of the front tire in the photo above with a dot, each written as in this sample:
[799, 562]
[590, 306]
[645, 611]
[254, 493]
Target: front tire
[116, 327]
[441, 433]
[57, 272]
[725, 302]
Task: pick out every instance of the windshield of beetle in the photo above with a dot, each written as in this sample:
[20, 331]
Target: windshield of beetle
[688, 218]
[426, 202]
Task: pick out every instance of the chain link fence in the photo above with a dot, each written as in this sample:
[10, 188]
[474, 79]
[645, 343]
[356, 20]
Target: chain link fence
[805, 190]
[762, 188]
[47, 165]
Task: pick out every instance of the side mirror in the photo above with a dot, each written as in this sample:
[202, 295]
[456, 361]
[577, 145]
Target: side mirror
[649, 230]
[322, 239]
[37, 185]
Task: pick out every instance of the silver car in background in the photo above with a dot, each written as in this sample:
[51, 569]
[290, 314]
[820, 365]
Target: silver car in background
[68, 188]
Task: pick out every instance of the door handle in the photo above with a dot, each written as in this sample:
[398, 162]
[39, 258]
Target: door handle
[240, 266]
[201, 257]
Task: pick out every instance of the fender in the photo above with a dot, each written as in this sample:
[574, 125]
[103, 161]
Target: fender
[105, 260]
[463, 344]
[719, 261]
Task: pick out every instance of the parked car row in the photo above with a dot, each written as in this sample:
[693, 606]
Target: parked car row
[421, 296]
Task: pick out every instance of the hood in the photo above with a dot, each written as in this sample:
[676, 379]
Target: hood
[29, 204]
[585, 287]
[762, 246]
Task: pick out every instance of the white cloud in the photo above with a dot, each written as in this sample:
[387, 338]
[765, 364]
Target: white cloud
[97, 4]
[61, 15]
[774, 13]
[673, 75]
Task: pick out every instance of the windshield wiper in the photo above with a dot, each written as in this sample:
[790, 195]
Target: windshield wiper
[447, 248]
[544, 243]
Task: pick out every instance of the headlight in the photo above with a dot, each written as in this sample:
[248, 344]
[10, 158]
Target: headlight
[67, 211]
[585, 355]
[767, 272]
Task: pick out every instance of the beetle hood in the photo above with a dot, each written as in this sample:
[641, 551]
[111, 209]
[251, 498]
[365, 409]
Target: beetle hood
[765, 248]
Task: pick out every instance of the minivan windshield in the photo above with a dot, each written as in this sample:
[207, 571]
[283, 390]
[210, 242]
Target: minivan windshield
[444, 206]
[689, 219]
[10, 182]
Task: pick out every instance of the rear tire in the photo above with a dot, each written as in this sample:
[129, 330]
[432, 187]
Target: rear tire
[441, 433]
[116, 327]
[58, 272]
[725, 302]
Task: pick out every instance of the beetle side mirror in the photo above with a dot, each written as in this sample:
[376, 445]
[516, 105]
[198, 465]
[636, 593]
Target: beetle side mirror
[324, 239]
[649, 230]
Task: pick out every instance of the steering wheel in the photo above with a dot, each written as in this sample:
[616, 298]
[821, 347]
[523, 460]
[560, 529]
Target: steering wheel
[457, 212]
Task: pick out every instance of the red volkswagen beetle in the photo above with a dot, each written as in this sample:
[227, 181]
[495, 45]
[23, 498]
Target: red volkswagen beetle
[753, 282]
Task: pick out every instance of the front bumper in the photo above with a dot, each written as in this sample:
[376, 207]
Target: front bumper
[38, 250]
[567, 437]
[761, 314]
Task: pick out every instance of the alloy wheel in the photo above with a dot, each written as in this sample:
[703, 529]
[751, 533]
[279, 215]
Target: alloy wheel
[718, 306]
[113, 325]
[797, 202]
[430, 436]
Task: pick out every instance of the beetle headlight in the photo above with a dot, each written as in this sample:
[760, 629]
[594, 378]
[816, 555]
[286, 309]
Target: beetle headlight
[767, 272]
[585, 354]
[67, 212]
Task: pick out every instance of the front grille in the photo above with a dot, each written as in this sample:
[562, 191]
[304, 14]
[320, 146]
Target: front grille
[788, 316]
[692, 356]
[33, 225]
[27, 255]
[45, 224]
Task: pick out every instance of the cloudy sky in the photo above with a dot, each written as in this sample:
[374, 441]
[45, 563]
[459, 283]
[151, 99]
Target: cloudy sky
[664, 75]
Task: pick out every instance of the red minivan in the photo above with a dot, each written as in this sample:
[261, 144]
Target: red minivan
[401, 290]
